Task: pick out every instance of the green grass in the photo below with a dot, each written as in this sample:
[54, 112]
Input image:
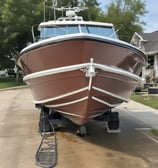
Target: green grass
[149, 100]
[6, 82]
[155, 132]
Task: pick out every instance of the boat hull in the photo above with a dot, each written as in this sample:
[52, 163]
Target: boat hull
[81, 77]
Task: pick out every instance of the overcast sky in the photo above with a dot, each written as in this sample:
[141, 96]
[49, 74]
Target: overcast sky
[151, 18]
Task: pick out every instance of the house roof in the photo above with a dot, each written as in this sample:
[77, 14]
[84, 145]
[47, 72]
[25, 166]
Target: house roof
[150, 42]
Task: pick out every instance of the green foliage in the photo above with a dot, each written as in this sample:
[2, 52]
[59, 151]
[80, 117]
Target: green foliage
[154, 131]
[146, 100]
[68, 3]
[126, 14]
[5, 62]
[93, 10]
[17, 17]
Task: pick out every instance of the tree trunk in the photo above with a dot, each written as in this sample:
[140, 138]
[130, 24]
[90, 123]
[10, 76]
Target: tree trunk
[17, 75]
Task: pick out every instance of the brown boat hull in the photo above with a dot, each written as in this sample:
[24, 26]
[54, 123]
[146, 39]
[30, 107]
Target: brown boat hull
[73, 92]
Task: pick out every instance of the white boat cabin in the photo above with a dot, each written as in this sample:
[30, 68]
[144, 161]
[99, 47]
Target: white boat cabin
[64, 26]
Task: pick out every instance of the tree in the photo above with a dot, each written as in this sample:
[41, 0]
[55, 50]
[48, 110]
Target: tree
[68, 3]
[93, 9]
[125, 14]
[17, 17]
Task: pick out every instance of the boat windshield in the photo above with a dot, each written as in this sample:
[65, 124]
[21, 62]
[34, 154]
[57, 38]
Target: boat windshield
[47, 32]
[99, 30]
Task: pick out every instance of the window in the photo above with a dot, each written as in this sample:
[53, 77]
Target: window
[150, 62]
[84, 29]
[72, 29]
[99, 30]
[47, 32]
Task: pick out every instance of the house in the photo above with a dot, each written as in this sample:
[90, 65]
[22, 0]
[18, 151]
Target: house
[148, 43]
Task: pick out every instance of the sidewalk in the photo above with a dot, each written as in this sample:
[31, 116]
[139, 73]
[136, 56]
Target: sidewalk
[145, 114]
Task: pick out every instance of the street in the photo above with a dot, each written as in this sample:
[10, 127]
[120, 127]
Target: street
[134, 147]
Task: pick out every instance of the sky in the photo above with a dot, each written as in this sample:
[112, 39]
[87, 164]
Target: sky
[150, 18]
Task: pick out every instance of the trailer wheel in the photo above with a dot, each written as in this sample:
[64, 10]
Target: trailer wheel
[114, 122]
[82, 131]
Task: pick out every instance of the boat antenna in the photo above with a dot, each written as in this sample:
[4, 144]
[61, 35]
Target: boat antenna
[54, 3]
[44, 11]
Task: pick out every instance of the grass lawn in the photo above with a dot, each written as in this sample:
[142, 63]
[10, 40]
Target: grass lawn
[149, 100]
[155, 132]
[6, 82]
[146, 99]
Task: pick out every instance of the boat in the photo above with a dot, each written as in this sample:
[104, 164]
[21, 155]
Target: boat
[80, 69]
